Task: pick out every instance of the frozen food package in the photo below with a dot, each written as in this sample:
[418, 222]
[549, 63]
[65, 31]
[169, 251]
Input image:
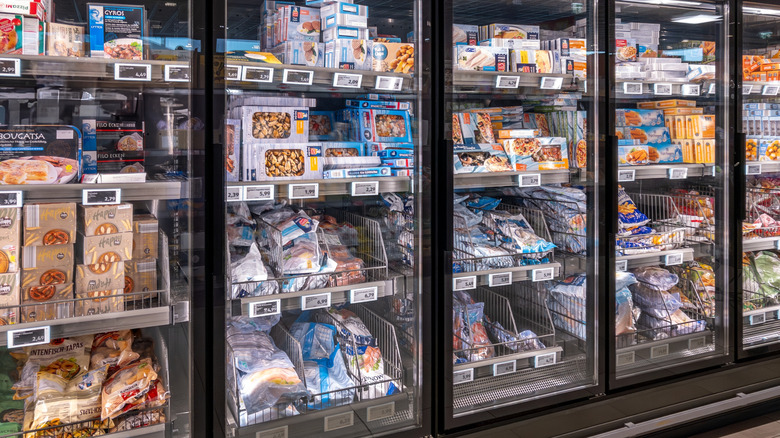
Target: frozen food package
[294, 226]
[66, 358]
[472, 336]
[127, 385]
[353, 327]
[113, 349]
[624, 312]
[628, 214]
[517, 342]
[656, 277]
[768, 268]
[250, 267]
[60, 401]
[573, 285]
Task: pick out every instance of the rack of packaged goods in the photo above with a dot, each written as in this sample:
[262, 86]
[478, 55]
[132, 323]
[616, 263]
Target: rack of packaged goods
[761, 301]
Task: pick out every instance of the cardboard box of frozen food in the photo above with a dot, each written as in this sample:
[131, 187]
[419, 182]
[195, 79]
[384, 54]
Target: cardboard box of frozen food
[9, 296]
[49, 224]
[296, 23]
[682, 111]
[140, 276]
[467, 34]
[704, 150]
[306, 53]
[98, 220]
[345, 33]
[667, 152]
[542, 59]
[516, 133]
[392, 126]
[322, 125]
[509, 31]
[372, 148]
[481, 58]
[348, 54]
[378, 104]
[343, 149]
[641, 117]
[625, 50]
[480, 158]
[512, 43]
[357, 173]
[47, 275]
[648, 135]
[110, 248]
[145, 237]
[768, 149]
[633, 155]
[64, 40]
[392, 57]
[39, 154]
[116, 31]
[670, 103]
[10, 239]
[677, 127]
[101, 276]
[99, 302]
[283, 161]
[232, 146]
[472, 128]
[12, 26]
[119, 146]
[269, 124]
[42, 265]
[22, 7]
[344, 14]
[700, 127]
[540, 153]
[39, 302]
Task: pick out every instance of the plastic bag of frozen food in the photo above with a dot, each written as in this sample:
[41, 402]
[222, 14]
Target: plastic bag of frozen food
[768, 268]
[628, 214]
[482, 202]
[126, 386]
[573, 285]
[352, 327]
[62, 401]
[463, 217]
[239, 225]
[660, 304]
[473, 336]
[138, 420]
[624, 318]
[302, 255]
[249, 268]
[294, 226]
[685, 325]
[517, 342]
[655, 328]
[656, 277]
[316, 339]
[66, 358]
[114, 349]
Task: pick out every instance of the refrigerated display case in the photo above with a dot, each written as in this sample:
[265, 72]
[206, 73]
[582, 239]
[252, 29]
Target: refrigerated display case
[670, 144]
[758, 321]
[321, 115]
[520, 208]
[100, 130]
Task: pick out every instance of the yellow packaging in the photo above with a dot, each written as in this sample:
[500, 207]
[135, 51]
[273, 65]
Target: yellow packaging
[705, 151]
[683, 111]
[9, 297]
[700, 127]
[667, 104]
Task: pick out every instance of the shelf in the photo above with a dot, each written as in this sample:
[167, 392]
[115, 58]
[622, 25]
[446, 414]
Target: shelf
[519, 273]
[757, 88]
[485, 368]
[481, 82]
[662, 171]
[509, 179]
[760, 244]
[342, 186]
[760, 327]
[670, 350]
[155, 430]
[648, 89]
[766, 166]
[86, 325]
[73, 192]
[654, 258]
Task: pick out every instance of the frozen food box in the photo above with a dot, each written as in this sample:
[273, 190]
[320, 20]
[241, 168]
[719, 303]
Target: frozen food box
[392, 126]
[393, 57]
[378, 104]
[251, 56]
[395, 153]
[344, 14]
[30, 17]
[671, 103]
[345, 33]
[47, 264]
[269, 124]
[109, 248]
[119, 146]
[49, 224]
[639, 117]
[321, 125]
[296, 23]
[751, 149]
[374, 148]
[368, 172]
[683, 111]
[39, 154]
[480, 158]
[769, 149]
[39, 302]
[541, 60]
[472, 128]
[282, 162]
[650, 135]
[306, 53]
[346, 162]
[101, 276]
[64, 40]
[140, 276]
[481, 58]
[625, 50]
[99, 302]
[343, 149]
[116, 31]
[10, 239]
[665, 153]
[11, 26]
[348, 54]
[634, 155]
[704, 150]
[467, 34]
[517, 133]
[47, 275]
[232, 146]
[512, 43]
[509, 31]
[145, 237]
[700, 127]
[9, 296]
[542, 153]
[98, 220]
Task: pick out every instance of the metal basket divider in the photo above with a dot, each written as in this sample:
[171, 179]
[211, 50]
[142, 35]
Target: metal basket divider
[498, 309]
[323, 316]
[461, 255]
[527, 302]
[559, 238]
[662, 212]
[384, 332]
[371, 245]
[274, 236]
[701, 314]
[163, 265]
[669, 325]
[534, 216]
[697, 285]
[287, 343]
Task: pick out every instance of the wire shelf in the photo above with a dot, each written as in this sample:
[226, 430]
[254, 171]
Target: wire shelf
[132, 420]
[566, 221]
[756, 294]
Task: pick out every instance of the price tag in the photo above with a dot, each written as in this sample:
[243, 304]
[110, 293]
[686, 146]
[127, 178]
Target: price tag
[464, 283]
[747, 89]
[544, 360]
[696, 343]
[177, 73]
[678, 173]
[673, 259]
[770, 90]
[233, 194]
[339, 421]
[380, 412]
[777, 314]
[632, 88]
[347, 80]
[10, 67]
[621, 265]
[257, 74]
[303, 191]
[691, 89]
[662, 89]
[27, 337]
[279, 432]
[502, 279]
[101, 196]
[132, 72]
[365, 188]
[530, 180]
[659, 351]
[712, 89]
[551, 83]
[507, 81]
[11, 199]
[626, 175]
[259, 193]
[758, 318]
[753, 169]
[297, 77]
[318, 301]
[265, 308]
[542, 274]
[233, 72]
[389, 83]
[499, 369]
[363, 295]
[714, 171]
[627, 358]
[464, 376]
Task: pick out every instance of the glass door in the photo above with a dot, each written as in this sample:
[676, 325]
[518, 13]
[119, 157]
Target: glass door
[670, 145]
[521, 125]
[759, 321]
[324, 128]
[101, 118]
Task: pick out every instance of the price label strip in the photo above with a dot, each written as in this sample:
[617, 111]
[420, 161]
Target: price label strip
[758, 318]
[259, 193]
[389, 83]
[101, 196]
[303, 191]
[753, 169]
[233, 72]
[265, 308]
[347, 80]
[507, 81]
[542, 274]
[621, 265]
[11, 199]
[363, 295]
[257, 74]
[365, 188]
[318, 301]
[678, 173]
[659, 351]
[673, 259]
[770, 90]
[132, 72]
[530, 180]
[499, 369]
[10, 67]
[380, 412]
[662, 89]
[233, 194]
[545, 360]
[777, 244]
[691, 89]
[747, 89]
[297, 77]
[28, 337]
[339, 421]
[463, 376]
[624, 359]
[278, 432]
[464, 283]
[696, 343]
[551, 83]
[502, 279]
[177, 73]
[626, 175]
[632, 87]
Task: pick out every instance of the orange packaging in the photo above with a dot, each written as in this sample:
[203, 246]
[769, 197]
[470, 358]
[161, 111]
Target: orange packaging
[705, 151]
[687, 150]
[770, 66]
[676, 125]
[683, 111]
[700, 127]
[661, 104]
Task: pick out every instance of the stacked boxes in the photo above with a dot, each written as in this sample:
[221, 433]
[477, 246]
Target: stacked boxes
[761, 123]
[10, 240]
[141, 272]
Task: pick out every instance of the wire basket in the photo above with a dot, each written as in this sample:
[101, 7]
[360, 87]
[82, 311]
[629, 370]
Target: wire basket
[669, 231]
[130, 421]
[569, 313]
[694, 212]
[755, 293]
[466, 259]
[762, 201]
[566, 221]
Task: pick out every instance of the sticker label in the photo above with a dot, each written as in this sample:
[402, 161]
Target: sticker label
[347, 80]
[101, 196]
[363, 295]
[365, 188]
[627, 358]
[317, 301]
[389, 83]
[28, 337]
[132, 72]
[632, 88]
[259, 193]
[502, 279]
[303, 191]
[257, 74]
[712, 89]
[507, 81]
[678, 173]
[747, 89]
[177, 73]
[542, 274]
[756, 319]
[691, 89]
[530, 180]
[11, 199]
[233, 193]
[499, 369]
[279, 432]
[777, 244]
[297, 77]
[770, 90]
[339, 421]
[464, 283]
[10, 67]
[265, 308]
[544, 360]
[551, 83]
[753, 169]
[673, 259]
[626, 175]
[659, 351]
[379, 412]
[662, 89]
[696, 343]
[621, 265]
[463, 376]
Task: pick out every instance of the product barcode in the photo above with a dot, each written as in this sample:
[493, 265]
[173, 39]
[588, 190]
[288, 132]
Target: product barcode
[146, 266]
[31, 219]
[28, 257]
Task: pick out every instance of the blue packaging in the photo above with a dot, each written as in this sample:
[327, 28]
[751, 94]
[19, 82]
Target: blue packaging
[89, 146]
[391, 126]
[116, 31]
[395, 153]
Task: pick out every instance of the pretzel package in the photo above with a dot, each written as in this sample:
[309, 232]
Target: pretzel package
[110, 248]
[98, 277]
[140, 276]
[99, 220]
[49, 224]
[10, 240]
[9, 296]
[47, 265]
[38, 302]
[99, 302]
[47, 275]
[145, 237]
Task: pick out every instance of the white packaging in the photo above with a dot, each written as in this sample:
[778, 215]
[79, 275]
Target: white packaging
[265, 162]
[344, 14]
[512, 43]
[300, 53]
[272, 124]
[348, 54]
[345, 33]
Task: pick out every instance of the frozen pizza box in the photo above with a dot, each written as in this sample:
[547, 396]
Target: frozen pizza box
[541, 153]
[480, 158]
[39, 154]
[116, 31]
[282, 162]
[12, 28]
[64, 40]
